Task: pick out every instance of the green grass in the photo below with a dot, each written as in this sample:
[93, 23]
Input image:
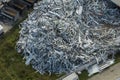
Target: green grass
[117, 57]
[12, 65]
[83, 75]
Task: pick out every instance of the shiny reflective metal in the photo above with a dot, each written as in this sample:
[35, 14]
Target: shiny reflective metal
[69, 35]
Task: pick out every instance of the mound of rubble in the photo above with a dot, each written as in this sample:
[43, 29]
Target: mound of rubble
[60, 35]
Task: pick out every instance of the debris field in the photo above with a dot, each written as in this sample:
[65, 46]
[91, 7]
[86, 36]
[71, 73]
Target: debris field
[60, 35]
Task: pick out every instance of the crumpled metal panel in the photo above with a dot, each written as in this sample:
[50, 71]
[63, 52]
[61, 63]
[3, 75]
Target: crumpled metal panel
[62, 35]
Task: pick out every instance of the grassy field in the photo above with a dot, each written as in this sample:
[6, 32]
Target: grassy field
[12, 66]
[117, 58]
[84, 75]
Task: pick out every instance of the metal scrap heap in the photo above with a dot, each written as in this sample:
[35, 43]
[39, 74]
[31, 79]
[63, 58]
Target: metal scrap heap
[60, 35]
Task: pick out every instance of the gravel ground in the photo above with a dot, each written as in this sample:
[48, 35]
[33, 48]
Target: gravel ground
[112, 73]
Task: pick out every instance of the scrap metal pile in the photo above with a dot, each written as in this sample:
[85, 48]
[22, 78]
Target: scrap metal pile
[60, 35]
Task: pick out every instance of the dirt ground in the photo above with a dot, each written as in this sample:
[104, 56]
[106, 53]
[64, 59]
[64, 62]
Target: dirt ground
[112, 73]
